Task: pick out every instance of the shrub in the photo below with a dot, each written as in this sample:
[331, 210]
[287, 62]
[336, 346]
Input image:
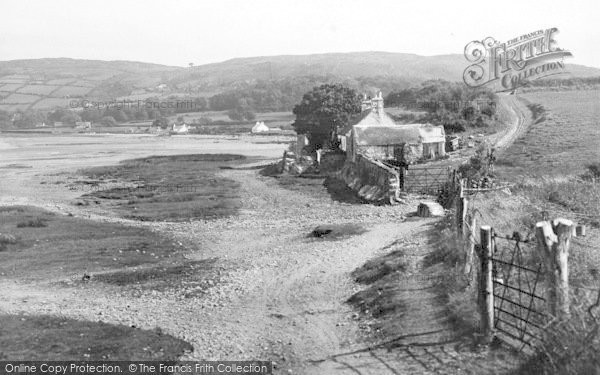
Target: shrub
[570, 347]
[455, 126]
[593, 171]
[479, 165]
[6, 239]
[33, 223]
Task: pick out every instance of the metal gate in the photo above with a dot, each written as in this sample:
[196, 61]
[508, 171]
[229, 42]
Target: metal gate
[519, 305]
[425, 180]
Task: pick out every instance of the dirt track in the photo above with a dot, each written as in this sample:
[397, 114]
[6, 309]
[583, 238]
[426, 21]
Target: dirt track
[520, 121]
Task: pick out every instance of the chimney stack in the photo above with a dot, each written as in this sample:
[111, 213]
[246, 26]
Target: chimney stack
[366, 103]
[377, 104]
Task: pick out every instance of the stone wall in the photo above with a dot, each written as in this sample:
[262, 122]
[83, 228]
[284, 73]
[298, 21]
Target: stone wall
[372, 180]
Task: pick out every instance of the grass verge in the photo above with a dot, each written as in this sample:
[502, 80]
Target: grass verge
[33, 338]
[380, 301]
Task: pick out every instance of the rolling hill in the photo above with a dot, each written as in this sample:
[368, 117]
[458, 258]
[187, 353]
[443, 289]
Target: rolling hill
[45, 83]
[341, 65]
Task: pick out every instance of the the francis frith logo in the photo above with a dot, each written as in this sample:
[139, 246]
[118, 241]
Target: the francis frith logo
[506, 66]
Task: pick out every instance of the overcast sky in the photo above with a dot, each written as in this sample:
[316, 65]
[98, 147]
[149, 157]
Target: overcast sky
[180, 32]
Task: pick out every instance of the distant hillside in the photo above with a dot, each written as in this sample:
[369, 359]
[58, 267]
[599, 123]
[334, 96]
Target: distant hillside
[343, 65]
[45, 83]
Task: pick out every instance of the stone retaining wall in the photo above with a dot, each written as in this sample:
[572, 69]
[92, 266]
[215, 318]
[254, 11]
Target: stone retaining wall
[372, 180]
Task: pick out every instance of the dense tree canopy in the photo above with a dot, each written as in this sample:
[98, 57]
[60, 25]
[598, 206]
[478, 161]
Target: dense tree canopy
[324, 110]
[451, 104]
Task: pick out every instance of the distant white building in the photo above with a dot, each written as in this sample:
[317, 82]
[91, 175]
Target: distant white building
[180, 129]
[260, 127]
[83, 125]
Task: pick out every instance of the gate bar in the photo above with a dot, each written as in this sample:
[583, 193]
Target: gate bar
[520, 330]
[518, 304]
[514, 337]
[521, 291]
[514, 265]
[519, 317]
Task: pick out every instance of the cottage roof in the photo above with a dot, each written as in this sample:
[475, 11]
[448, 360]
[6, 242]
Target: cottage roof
[381, 135]
[432, 134]
[368, 117]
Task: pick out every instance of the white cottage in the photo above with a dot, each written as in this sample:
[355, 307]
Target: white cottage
[376, 135]
[260, 127]
[180, 129]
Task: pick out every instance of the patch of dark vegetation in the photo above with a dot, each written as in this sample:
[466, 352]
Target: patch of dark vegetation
[592, 173]
[176, 187]
[383, 306]
[376, 269]
[382, 298]
[337, 231]
[340, 192]
[33, 338]
[538, 112]
[271, 170]
[15, 166]
[38, 222]
[5, 240]
[197, 275]
[73, 246]
[380, 302]
[11, 209]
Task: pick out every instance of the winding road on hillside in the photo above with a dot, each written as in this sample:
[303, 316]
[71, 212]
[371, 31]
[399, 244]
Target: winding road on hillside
[520, 119]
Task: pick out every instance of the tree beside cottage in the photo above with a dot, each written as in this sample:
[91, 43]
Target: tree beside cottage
[323, 111]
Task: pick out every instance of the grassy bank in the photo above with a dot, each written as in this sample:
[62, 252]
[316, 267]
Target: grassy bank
[31, 338]
[50, 247]
[562, 140]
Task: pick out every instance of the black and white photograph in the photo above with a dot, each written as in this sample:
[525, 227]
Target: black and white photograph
[317, 187]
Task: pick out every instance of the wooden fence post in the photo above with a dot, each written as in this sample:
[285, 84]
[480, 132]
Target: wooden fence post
[461, 212]
[470, 249]
[486, 286]
[553, 240]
